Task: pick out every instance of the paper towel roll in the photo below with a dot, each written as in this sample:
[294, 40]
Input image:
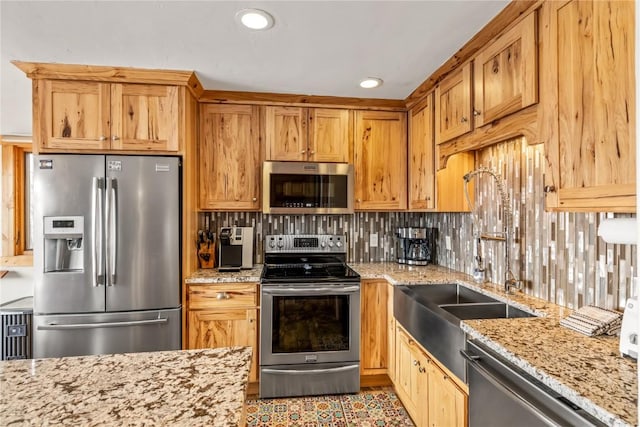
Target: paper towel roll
[619, 230]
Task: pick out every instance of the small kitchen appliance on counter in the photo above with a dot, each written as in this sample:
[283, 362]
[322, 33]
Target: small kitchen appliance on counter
[235, 249]
[416, 245]
[629, 329]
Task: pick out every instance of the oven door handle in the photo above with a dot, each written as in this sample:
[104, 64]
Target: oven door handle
[310, 290]
[310, 371]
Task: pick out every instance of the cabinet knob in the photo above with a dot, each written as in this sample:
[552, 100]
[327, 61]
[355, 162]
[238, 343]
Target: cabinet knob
[115, 138]
[422, 370]
[476, 113]
[222, 295]
[303, 152]
[358, 200]
[549, 189]
[312, 152]
[416, 363]
[102, 138]
[254, 199]
[463, 119]
[428, 198]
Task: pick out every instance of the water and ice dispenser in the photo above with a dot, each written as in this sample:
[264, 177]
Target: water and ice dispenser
[63, 243]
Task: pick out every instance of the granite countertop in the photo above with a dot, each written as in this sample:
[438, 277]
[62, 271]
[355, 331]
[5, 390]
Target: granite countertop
[589, 371]
[207, 276]
[190, 387]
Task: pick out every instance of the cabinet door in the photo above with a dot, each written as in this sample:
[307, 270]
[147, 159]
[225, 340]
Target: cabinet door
[391, 336]
[421, 158]
[588, 86]
[506, 73]
[380, 160]
[450, 185]
[144, 117]
[330, 133]
[405, 381]
[229, 157]
[224, 328]
[447, 403]
[453, 105]
[373, 327]
[74, 115]
[286, 133]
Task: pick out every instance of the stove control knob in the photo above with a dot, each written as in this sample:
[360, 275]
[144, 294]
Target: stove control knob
[272, 244]
[280, 244]
[323, 244]
[330, 244]
[338, 244]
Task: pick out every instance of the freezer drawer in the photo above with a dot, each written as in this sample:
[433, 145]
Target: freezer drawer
[106, 333]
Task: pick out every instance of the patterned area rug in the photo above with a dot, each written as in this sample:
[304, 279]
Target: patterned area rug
[370, 408]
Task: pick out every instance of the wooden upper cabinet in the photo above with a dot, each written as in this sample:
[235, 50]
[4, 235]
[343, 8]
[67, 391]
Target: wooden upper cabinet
[144, 117]
[380, 160]
[229, 157]
[307, 134]
[506, 73]
[330, 133]
[286, 133]
[74, 115]
[421, 160]
[79, 115]
[453, 105]
[588, 93]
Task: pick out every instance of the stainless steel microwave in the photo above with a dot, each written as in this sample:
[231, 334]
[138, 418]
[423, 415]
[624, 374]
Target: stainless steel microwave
[301, 187]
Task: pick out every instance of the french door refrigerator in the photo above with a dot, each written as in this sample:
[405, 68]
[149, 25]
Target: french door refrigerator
[106, 254]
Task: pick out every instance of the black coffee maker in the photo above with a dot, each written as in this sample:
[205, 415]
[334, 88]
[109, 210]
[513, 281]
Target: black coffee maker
[416, 245]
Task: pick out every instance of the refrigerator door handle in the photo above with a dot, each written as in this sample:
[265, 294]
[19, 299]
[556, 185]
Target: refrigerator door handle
[97, 232]
[112, 230]
[54, 326]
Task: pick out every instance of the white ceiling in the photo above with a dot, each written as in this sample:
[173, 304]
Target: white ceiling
[315, 47]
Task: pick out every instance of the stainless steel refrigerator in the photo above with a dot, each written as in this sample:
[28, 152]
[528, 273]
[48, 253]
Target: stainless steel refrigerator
[106, 254]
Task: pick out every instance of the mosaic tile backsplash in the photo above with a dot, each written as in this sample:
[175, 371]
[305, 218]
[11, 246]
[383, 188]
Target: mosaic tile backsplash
[558, 256]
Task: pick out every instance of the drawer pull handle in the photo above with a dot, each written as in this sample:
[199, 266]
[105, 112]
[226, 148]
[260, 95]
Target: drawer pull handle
[223, 295]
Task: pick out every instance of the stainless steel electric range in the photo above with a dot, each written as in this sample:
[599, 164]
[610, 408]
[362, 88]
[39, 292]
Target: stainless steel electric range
[310, 317]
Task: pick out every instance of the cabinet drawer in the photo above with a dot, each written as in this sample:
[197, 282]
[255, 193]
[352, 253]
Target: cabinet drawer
[222, 296]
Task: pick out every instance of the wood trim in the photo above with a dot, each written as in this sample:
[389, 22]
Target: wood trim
[505, 19]
[291, 100]
[25, 260]
[52, 71]
[522, 123]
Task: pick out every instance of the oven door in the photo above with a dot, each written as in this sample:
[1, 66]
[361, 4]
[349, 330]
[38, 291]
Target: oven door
[309, 323]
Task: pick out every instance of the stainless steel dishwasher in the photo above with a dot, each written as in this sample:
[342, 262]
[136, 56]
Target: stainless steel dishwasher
[501, 394]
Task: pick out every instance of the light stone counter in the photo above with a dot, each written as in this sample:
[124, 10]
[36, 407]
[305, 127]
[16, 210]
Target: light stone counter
[212, 276]
[177, 388]
[587, 371]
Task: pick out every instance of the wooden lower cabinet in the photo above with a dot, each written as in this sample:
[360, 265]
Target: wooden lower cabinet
[224, 316]
[428, 392]
[373, 327]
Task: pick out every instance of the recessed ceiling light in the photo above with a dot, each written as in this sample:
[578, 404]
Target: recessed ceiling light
[255, 19]
[370, 82]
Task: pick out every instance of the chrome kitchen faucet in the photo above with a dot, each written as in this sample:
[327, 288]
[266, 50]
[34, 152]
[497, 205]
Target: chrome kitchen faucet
[510, 282]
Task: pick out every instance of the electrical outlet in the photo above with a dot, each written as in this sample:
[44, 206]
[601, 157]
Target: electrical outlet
[447, 242]
[373, 240]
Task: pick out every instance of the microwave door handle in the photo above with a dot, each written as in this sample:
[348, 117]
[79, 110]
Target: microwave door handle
[97, 232]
